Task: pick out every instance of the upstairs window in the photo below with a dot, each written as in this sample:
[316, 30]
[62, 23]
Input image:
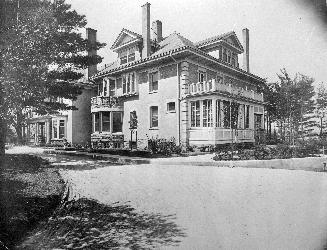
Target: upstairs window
[129, 83]
[201, 76]
[154, 117]
[225, 55]
[153, 84]
[171, 107]
[234, 60]
[229, 56]
[112, 90]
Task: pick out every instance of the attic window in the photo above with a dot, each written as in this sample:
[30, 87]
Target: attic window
[123, 60]
[131, 57]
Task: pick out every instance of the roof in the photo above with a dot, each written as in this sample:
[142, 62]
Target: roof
[124, 32]
[174, 43]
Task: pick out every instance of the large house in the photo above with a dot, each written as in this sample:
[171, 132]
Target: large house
[194, 92]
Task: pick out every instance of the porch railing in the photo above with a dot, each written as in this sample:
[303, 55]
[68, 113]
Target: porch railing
[107, 101]
[213, 85]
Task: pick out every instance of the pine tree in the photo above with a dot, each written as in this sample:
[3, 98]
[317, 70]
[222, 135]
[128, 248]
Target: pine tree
[42, 55]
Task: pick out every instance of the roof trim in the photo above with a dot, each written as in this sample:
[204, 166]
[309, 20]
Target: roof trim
[124, 31]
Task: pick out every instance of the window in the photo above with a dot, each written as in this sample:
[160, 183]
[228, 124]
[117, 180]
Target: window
[106, 121]
[227, 117]
[234, 109]
[218, 114]
[105, 88]
[171, 107]
[100, 88]
[247, 117]
[112, 87]
[153, 87]
[207, 113]
[117, 122]
[257, 121]
[54, 129]
[195, 114]
[154, 117]
[96, 118]
[233, 60]
[131, 57]
[129, 83]
[61, 129]
[224, 55]
[228, 56]
[123, 60]
[201, 76]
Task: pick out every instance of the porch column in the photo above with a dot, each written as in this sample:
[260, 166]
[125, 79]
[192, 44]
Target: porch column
[184, 118]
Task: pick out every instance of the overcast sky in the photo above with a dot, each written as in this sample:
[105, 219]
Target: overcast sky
[283, 33]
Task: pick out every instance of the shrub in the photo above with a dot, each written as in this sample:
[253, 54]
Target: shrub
[163, 146]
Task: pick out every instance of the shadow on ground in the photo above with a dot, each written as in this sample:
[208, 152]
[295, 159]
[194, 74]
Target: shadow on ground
[87, 224]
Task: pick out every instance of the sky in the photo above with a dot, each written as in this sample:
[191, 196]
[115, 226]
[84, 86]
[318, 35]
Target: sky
[283, 33]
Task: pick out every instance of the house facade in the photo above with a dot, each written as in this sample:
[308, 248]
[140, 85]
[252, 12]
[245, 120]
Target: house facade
[194, 92]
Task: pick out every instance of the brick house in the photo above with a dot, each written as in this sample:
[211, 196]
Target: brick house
[195, 92]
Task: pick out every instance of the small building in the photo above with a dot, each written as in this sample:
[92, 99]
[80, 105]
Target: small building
[195, 92]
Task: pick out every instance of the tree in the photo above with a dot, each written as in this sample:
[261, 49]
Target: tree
[290, 100]
[43, 57]
[321, 107]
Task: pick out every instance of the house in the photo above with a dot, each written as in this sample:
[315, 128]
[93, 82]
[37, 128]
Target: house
[194, 92]
[73, 126]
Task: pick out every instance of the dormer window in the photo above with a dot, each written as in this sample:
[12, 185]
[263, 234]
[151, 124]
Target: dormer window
[131, 57]
[224, 55]
[229, 56]
[123, 60]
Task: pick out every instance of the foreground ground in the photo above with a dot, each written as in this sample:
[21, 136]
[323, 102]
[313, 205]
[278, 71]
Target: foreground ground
[191, 207]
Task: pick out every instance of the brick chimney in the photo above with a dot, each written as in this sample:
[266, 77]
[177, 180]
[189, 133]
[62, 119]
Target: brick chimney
[157, 31]
[146, 30]
[246, 53]
[91, 35]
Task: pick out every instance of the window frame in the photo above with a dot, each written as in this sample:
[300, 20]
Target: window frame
[195, 114]
[151, 74]
[207, 116]
[152, 126]
[168, 109]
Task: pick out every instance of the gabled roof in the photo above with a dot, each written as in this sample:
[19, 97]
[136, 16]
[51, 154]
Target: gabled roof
[221, 38]
[173, 41]
[125, 33]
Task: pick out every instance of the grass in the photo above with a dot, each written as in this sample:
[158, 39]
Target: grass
[30, 190]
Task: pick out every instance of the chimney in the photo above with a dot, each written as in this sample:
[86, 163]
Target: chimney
[246, 53]
[157, 31]
[146, 30]
[91, 35]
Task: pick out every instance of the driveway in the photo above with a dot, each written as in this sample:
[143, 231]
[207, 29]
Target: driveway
[219, 208]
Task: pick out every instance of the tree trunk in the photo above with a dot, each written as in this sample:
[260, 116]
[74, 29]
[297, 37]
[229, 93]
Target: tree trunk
[3, 132]
[19, 127]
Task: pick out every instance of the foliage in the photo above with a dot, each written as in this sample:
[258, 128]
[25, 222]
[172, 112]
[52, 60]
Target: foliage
[321, 107]
[42, 57]
[290, 100]
[163, 146]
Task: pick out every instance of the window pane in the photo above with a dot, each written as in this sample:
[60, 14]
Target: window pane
[207, 113]
[195, 114]
[218, 115]
[154, 116]
[247, 116]
[106, 121]
[61, 129]
[128, 80]
[96, 122]
[131, 57]
[117, 122]
[124, 84]
[132, 82]
[111, 87]
[226, 114]
[171, 107]
[123, 59]
[154, 81]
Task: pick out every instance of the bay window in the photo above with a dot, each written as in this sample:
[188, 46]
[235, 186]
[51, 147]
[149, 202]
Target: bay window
[106, 121]
[227, 116]
[195, 114]
[117, 122]
[207, 113]
[218, 113]
[247, 116]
